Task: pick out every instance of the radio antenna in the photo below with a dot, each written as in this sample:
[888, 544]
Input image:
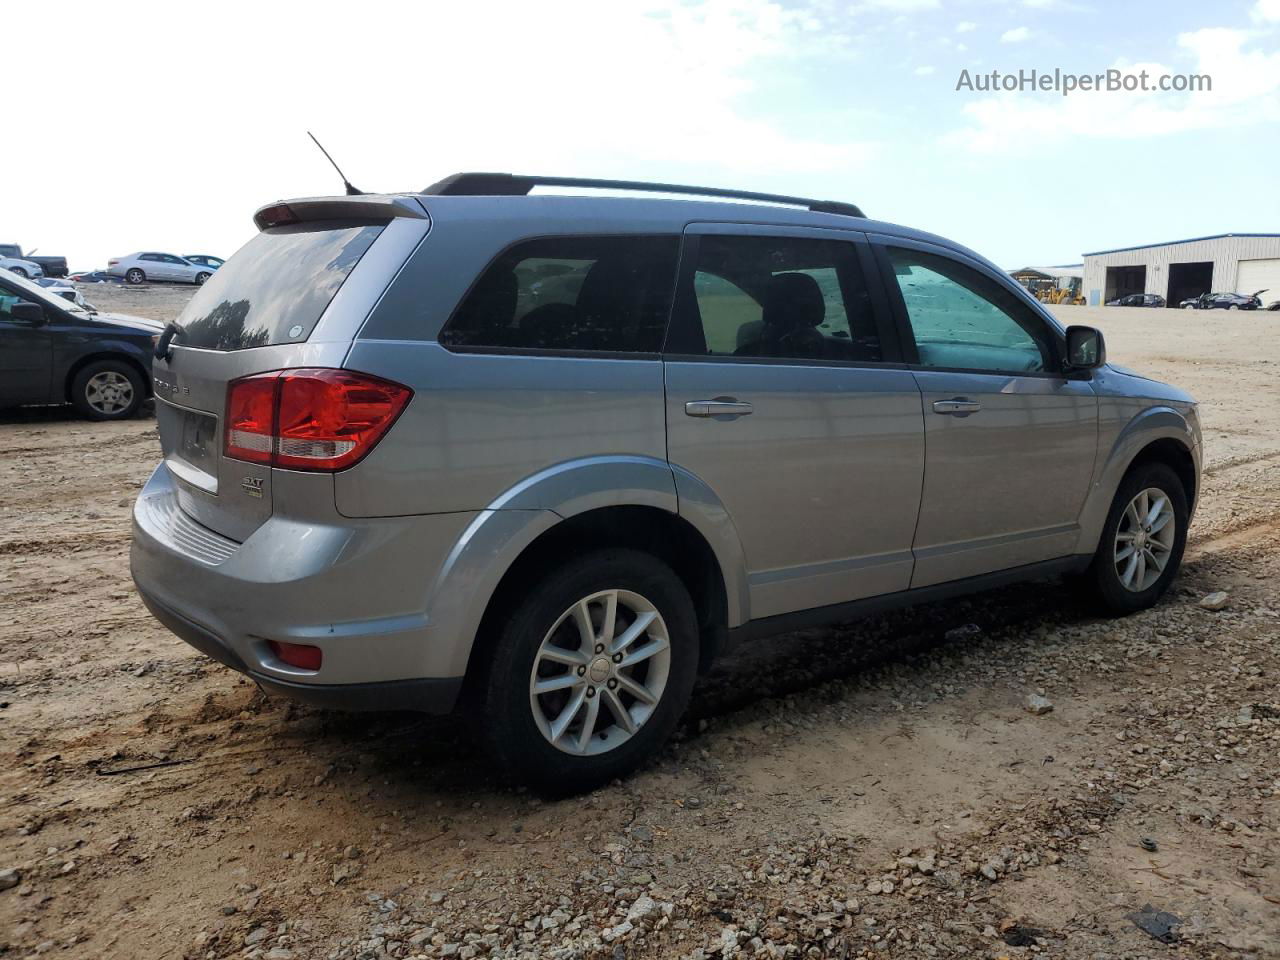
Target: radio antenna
[351, 190]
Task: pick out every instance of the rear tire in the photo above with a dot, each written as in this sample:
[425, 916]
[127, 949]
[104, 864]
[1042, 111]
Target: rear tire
[134, 276]
[107, 390]
[553, 670]
[1137, 557]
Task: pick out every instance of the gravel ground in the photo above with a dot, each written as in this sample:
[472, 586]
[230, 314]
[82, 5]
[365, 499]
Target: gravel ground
[1000, 776]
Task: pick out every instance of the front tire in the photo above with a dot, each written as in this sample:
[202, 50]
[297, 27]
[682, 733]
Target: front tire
[20, 272]
[590, 672]
[107, 390]
[134, 276]
[201, 278]
[1142, 541]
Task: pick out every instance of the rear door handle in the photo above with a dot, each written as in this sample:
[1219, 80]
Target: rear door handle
[958, 407]
[719, 407]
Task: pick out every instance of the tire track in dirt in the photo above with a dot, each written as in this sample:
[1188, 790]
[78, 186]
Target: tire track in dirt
[77, 544]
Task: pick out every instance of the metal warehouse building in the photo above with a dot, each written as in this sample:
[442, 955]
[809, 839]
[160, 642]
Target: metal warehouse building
[1177, 271]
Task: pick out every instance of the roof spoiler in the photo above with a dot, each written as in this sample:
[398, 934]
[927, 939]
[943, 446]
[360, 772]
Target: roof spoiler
[363, 207]
[516, 185]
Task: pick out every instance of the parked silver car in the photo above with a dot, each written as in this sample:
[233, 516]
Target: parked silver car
[545, 457]
[151, 266]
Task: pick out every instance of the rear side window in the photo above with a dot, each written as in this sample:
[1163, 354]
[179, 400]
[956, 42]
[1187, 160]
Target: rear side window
[606, 294]
[276, 287]
[783, 298]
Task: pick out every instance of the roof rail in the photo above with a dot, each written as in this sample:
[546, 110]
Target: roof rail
[516, 185]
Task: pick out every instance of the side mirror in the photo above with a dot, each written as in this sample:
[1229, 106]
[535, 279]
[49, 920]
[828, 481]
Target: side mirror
[25, 312]
[1086, 350]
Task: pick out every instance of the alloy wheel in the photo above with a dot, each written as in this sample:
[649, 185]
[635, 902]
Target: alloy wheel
[108, 392]
[1144, 539]
[600, 672]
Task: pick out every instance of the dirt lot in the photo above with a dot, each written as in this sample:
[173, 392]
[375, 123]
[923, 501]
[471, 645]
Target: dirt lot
[871, 789]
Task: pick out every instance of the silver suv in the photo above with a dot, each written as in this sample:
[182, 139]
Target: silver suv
[545, 457]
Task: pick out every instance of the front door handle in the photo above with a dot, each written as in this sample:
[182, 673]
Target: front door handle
[958, 407]
[719, 407]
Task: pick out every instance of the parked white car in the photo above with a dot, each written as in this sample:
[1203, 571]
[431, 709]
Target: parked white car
[63, 288]
[143, 266]
[23, 268]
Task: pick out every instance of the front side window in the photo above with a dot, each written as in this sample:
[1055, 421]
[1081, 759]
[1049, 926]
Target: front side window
[962, 320]
[778, 298]
[8, 298]
[606, 294]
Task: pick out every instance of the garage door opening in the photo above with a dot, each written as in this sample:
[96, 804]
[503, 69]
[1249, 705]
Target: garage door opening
[1261, 275]
[1122, 281]
[1189, 280]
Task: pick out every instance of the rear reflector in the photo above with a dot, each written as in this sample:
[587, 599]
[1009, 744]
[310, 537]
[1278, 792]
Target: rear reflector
[300, 655]
[309, 419]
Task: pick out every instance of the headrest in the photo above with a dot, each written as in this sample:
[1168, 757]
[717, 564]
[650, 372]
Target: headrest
[793, 301]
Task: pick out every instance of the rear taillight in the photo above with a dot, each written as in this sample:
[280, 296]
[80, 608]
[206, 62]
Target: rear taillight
[112, 263]
[309, 419]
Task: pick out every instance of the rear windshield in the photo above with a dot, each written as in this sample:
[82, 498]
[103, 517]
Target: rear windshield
[276, 286]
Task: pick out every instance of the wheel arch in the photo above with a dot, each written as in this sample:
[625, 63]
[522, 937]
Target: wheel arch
[81, 362]
[661, 533]
[1173, 453]
[1158, 434]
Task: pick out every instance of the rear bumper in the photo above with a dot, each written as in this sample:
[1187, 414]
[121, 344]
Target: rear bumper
[427, 695]
[358, 589]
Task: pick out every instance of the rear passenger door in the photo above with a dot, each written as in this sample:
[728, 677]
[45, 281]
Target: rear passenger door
[1010, 438]
[786, 397]
[154, 266]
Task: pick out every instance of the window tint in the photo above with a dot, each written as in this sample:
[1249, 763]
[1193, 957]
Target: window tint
[777, 297]
[610, 294]
[153, 257]
[963, 320]
[275, 289]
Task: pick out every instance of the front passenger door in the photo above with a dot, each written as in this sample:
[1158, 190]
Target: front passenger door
[26, 355]
[1010, 439]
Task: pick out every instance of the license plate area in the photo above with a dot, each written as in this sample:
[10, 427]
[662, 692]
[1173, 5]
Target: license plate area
[189, 439]
[198, 440]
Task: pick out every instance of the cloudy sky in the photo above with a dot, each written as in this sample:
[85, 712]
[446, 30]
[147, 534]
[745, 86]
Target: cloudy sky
[165, 125]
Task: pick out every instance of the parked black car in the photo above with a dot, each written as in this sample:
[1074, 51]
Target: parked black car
[53, 351]
[1138, 300]
[1224, 301]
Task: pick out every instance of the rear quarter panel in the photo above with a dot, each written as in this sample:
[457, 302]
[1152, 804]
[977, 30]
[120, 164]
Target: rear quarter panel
[481, 424]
